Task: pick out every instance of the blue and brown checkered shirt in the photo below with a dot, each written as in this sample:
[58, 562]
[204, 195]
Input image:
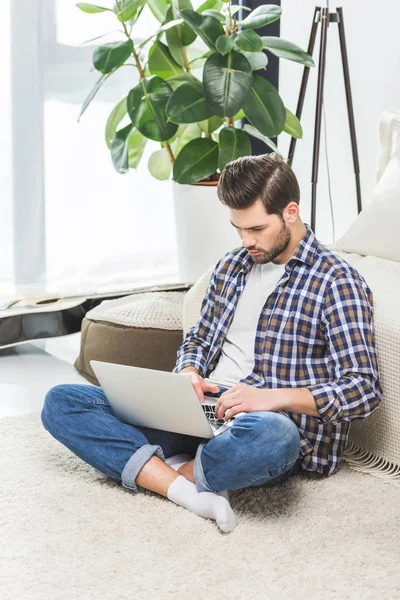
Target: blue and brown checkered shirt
[316, 331]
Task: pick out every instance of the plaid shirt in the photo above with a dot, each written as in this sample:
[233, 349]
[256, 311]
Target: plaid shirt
[315, 330]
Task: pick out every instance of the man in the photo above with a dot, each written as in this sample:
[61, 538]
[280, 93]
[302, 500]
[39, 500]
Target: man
[285, 336]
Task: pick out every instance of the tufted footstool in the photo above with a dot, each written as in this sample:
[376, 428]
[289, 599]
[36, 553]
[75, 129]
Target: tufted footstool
[142, 330]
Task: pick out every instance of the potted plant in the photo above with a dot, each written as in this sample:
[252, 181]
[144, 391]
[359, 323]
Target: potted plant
[197, 80]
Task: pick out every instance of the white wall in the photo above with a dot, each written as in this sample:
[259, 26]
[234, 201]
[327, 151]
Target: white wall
[373, 47]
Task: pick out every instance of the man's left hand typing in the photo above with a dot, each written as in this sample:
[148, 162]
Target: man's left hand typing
[243, 398]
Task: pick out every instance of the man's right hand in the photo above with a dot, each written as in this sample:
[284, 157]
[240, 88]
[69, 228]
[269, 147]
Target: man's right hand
[200, 384]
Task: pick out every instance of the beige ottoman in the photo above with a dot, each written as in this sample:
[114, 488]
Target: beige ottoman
[142, 330]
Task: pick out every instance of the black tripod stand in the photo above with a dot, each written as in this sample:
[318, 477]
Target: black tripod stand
[324, 17]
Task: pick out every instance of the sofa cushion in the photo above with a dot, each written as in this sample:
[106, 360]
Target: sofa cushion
[142, 330]
[375, 231]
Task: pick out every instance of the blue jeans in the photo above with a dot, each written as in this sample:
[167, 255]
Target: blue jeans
[259, 449]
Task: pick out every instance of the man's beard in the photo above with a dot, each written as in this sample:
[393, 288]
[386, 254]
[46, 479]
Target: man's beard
[280, 246]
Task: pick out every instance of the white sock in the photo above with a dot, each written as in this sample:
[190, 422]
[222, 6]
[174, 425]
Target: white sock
[205, 504]
[178, 460]
[175, 462]
[212, 508]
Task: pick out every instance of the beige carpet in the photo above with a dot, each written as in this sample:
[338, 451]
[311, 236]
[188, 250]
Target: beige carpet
[66, 535]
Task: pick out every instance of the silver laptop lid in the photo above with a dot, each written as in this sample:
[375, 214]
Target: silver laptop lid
[151, 398]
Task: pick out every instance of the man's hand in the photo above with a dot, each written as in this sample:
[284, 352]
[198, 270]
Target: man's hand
[243, 398]
[200, 385]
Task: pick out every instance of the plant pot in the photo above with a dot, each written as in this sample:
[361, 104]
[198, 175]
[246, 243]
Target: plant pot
[203, 231]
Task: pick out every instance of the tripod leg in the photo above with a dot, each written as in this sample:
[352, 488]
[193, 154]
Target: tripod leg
[318, 112]
[349, 101]
[304, 82]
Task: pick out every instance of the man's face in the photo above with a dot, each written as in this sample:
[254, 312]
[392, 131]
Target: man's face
[260, 231]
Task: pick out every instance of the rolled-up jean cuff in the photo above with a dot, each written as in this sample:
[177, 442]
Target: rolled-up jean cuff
[136, 463]
[199, 477]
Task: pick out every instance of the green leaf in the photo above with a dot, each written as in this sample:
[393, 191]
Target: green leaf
[264, 108]
[176, 134]
[187, 34]
[235, 9]
[131, 22]
[158, 8]
[260, 16]
[224, 44]
[226, 80]
[196, 57]
[179, 36]
[211, 124]
[129, 9]
[249, 41]
[159, 164]
[217, 4]
[91, 8]
[233, 143]
[195, 53]
[255, 133]
[185, 134]
[92, 94]
[292, 125]
[111, 56]
[140, 42]
[196, 160]
[239, 115]
[146, 107]
[208, 28]
[161, 62]
[198, 62]
[115, 118]
[136, 145]
[178, 80]
[170, 24]
[257, 60]
[216, 14]
[119, 149]
[285, 49]
[187, 104]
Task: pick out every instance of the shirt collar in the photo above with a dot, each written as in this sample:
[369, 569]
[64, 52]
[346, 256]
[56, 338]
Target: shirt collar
[306, 248]
[304, 251]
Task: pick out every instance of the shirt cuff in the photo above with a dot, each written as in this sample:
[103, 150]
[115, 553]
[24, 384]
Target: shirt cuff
[327, 402]
[189, 361]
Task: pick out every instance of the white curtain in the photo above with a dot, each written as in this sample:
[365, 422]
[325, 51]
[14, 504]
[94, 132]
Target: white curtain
[6, 229]
[70, 223]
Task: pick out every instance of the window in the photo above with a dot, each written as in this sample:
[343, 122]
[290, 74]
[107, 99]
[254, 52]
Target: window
[98, 230]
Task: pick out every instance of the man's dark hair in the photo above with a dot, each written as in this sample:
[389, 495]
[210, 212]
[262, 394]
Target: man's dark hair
[266, 176]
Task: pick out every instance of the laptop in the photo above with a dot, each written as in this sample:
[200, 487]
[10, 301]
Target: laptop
[160, 400]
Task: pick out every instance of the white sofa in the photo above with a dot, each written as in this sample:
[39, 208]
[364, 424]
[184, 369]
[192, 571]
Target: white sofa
[371, 245]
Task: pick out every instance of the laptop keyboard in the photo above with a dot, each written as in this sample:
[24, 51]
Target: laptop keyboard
[217, 425]
[209, 411]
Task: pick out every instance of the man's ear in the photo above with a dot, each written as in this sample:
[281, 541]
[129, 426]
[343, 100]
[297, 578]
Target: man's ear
[292, 212]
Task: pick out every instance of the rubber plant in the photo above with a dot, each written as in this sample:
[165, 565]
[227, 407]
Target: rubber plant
[189, 99]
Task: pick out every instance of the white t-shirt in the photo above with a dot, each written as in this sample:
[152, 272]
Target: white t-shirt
[237, 353]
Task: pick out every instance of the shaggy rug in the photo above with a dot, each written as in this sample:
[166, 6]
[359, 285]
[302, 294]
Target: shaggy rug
[66, 535]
